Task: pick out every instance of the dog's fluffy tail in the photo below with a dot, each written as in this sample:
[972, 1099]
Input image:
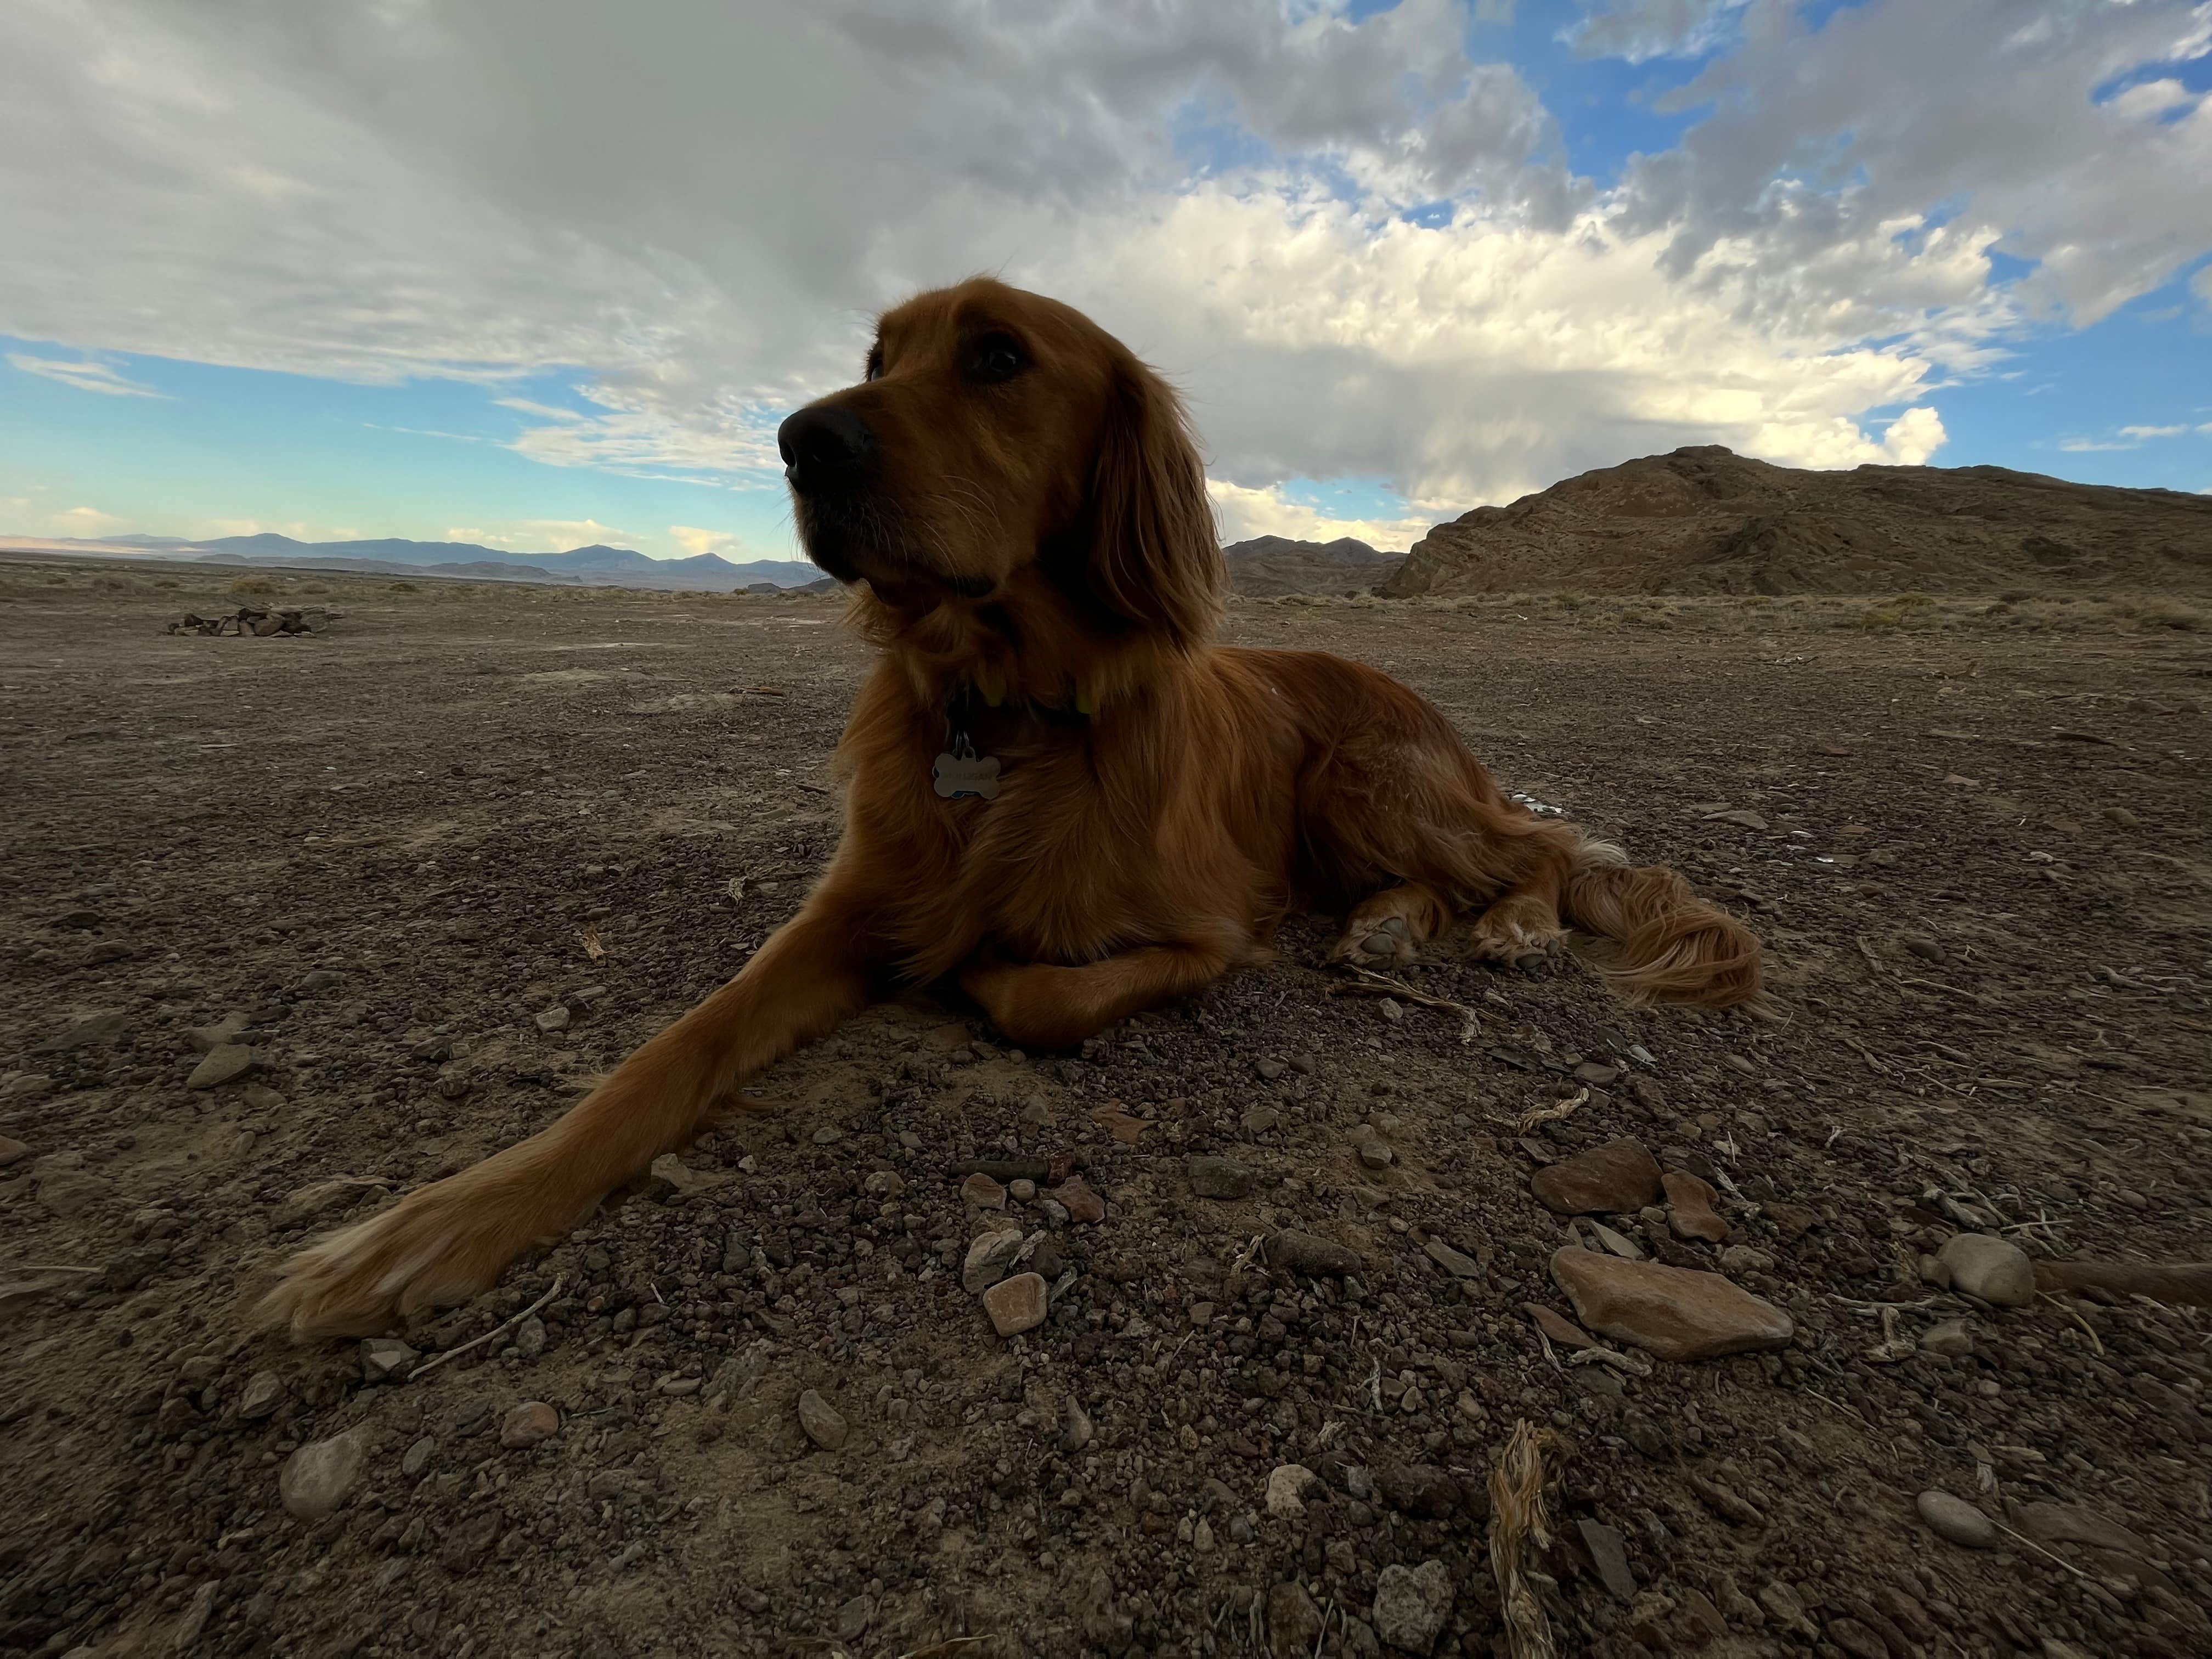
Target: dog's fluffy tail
[1675, 947]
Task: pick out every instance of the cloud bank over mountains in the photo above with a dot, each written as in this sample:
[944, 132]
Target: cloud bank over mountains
[1363, 247]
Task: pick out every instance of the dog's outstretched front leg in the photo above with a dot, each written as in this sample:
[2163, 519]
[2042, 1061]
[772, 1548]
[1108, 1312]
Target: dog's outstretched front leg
[1042, 1005]
[446, 1241]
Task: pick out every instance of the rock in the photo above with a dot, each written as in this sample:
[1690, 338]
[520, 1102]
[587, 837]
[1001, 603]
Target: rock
[884, 1183]
[528, 1424]
[1022, 1192]
[1951, 1339]
[1222, 1177]
[127, 1270]
[94, 1033]
[1373, 1152]
[1692, 1208]
[66, 1188]
[1389, 1008]
[982, 1192]
[1742, 1259]
[1411, 1605]
[1616, 1243]
[554, 1018]
[530, 1337]
[1958, 1521]
[226, 1064]
[1075, 1426]
[1081, 1204]
[1269, 1070]
[1792, 1221]
[1610, 1554]
[2071, 1524]
[1294, 1623]
[418, 1458]
[672, 1177]
[1608, 1179]
[1933, 1270]
[205, 1039]
[1992, 1269]
[264, 1392]
[1557, 1326]
[316, 1478]
[1676, 1313]
[1421, 1490]
[824, 1426]
[1458, 1266]
[1201, 1538]
[1259, 1120]
[1303, 1253]
[1288, 1485]
[990, 1259]
[854, 1618]
[12, 1151]
[384, 1359]
[1016, 1305]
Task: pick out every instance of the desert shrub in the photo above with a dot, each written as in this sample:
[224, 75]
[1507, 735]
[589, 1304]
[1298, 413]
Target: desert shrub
[108, 584]
[316, 587]
[251, 585]
[401, 588]
[168, 581]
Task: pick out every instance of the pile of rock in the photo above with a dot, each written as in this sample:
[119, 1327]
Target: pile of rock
[252, 619]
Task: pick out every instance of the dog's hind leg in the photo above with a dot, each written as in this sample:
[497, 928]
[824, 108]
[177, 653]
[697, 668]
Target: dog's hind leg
[1387, 929]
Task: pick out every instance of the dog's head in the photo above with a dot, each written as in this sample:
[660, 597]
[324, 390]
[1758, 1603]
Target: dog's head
[999, 433]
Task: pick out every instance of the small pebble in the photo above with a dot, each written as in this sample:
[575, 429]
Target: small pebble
[1958, 1521]
[528, 1424]
[822, 1422]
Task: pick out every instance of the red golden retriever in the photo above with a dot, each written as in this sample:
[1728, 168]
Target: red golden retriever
[1059, 791]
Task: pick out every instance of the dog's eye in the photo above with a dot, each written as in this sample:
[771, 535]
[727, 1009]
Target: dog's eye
[995, 358]
[875, 369]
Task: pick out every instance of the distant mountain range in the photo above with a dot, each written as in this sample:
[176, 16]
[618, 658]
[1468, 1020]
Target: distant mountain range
[597, 566]
[1269, 565]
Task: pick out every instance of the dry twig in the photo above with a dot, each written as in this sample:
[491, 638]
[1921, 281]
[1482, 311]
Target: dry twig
[1517, 1516]
[1529, 1120]
[436, 1360]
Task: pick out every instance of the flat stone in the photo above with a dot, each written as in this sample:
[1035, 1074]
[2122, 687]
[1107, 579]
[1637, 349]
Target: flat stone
[528, 1424]
[1303, 1253]
[1956, 1519]
[417, 1457]
[1294, 1623]
[1017, 1304]
[821, 1420]
[982, 1192]
[554, 1018]
[1288, 1485]
[1992, 1269]
[1458, 1266]
[1793, 1221]
[1259, 1120]
[1692, 1208]
[316, 1478]
[1081, 1204]
[1610, 1553]
[671, 1177]
[385, 1359]
[67, 1190]
[1223, 1177]
[1676, 1313]
[990, 1259]
[1615, 1178]
[264, 1392]
[1412, 1605]
[226, 1064]
[1557, 1326]
[12, 1151]
[1952, 1339]
[94, 1033]
[2071, 1524]
[1619, 1244]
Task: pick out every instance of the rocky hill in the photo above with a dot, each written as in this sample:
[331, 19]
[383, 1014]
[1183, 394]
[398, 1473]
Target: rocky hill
[1707, 520]
[1268, 565]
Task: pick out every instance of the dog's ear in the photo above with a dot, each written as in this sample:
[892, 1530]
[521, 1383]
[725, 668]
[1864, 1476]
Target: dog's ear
[1155, 559]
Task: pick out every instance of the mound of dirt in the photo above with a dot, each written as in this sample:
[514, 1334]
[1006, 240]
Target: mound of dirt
[1706, 520]
[1268, 566]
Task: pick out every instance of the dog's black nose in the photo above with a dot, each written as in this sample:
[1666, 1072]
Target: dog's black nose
[825, 448]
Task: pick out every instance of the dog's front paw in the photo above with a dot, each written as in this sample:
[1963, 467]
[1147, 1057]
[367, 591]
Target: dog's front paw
[438, 1246]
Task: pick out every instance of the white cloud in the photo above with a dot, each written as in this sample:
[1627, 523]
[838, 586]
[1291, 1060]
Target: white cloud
[86, 522]
[2092, 446]
[85, 376]
[382, 192]
[542, 535]
[2152, 431]
[1243, 514]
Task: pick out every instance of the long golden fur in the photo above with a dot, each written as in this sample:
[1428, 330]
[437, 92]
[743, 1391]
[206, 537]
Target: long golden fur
[1022, 513]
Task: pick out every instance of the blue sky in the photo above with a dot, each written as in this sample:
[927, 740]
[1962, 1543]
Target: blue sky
[488, 274]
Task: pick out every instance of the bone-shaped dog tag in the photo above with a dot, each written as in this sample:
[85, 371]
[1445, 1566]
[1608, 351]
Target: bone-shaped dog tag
[958, 777]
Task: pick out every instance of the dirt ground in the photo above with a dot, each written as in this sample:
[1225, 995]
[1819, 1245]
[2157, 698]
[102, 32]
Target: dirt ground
[438, 866]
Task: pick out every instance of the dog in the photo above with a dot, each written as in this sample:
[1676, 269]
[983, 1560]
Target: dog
[1060, 792]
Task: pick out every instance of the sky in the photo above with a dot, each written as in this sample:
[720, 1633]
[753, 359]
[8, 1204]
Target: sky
[536, 273]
